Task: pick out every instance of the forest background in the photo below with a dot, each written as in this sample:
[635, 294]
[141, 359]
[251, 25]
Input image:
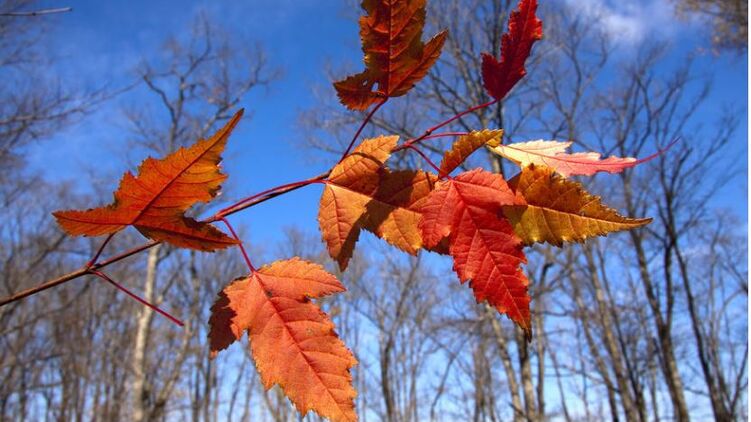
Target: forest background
[640, 326]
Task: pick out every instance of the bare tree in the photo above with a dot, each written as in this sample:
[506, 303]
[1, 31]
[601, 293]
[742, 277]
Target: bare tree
[197, 85]
[622, 308]
[729, 20]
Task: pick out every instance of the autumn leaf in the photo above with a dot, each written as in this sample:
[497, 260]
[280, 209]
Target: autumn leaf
[560, 210]
[465, 146]
[524, 28]
[339, 211]
[485, 249]
[362, 194]
[154, 202]
[395, 56]
[553, 154]
[393, 213]
[292, 341]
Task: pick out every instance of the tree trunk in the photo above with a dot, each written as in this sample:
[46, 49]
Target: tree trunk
[139, 385]
[530, 404]
[611, 344]
[501, 341]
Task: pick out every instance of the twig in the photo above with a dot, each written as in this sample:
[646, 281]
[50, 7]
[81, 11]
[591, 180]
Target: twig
[138, 249]
[430, 131]
[237, 206]
[37, 12]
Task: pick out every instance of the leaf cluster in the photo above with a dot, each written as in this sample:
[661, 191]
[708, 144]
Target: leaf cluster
[478, 218]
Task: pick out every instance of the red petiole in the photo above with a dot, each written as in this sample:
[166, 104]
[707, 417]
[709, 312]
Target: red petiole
[122, 288]
[240, 244]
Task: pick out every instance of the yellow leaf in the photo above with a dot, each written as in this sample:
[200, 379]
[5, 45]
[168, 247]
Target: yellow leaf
[466, 145]
[560, 210]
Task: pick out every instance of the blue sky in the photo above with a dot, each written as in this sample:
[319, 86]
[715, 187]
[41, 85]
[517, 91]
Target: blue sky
[101, 42]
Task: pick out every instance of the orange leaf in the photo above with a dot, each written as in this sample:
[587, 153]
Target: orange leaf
[485, 249]
[293, 342]
[560, 210]
[524, 28]
[553, 154]
[395, 57]
[339, 212]
[465, 146]
[362, 193]
[154, 202]
[394, 210]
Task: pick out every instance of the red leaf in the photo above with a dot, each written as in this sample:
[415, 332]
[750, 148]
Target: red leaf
[468, 209]
[293, 342]
[395, 57]
[154, 202]
[524, 28]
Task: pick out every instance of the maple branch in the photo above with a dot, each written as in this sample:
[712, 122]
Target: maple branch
[264, 196]
[240, 245]
[244, 204]
[362, 126]
[237, 207]
[122, 288]
[88, 269]
[44, 286]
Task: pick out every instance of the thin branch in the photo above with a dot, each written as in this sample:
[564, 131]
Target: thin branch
[38, 12]
[138, 249]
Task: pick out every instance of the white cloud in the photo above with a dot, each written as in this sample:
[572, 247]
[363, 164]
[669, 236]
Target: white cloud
[628, 23]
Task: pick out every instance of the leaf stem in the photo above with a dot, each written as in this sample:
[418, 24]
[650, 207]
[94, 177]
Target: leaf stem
[122, 288]
[657, 153]
[445, 134]
[98, 253]
[425, 157]
[240, 244]
[430, 131]
[362, 126]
